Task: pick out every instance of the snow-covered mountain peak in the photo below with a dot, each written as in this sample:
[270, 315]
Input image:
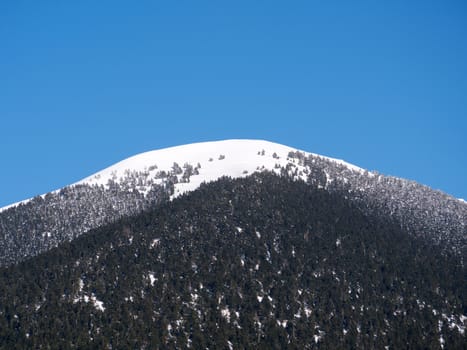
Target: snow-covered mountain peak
[148, 179]
[195, 163]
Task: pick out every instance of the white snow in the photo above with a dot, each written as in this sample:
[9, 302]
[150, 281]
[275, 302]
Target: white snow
[98, 305]
[225, 312]
[194, 297]
[155, 242]
[454, 321]
[240, 159]
[441, 339]
[152, 279]
[234, 158]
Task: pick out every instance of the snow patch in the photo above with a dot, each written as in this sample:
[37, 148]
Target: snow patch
[99, 305]
[155, 242]
[225, 312]
[152, 279]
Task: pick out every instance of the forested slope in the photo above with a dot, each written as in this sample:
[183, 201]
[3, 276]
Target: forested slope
[262, 262]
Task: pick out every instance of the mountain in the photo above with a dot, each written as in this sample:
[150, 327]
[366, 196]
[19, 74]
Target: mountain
[267, 261]
[146, 180]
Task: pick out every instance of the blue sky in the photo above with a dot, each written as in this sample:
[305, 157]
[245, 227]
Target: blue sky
[84, 84]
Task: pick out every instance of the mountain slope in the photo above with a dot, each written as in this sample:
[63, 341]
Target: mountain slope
[234, 158]
[148, 179]
[262, 262]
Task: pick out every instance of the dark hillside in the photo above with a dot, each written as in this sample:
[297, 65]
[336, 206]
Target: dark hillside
[262, 262]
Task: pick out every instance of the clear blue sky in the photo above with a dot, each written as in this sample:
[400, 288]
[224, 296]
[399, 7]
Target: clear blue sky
[84, 84]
